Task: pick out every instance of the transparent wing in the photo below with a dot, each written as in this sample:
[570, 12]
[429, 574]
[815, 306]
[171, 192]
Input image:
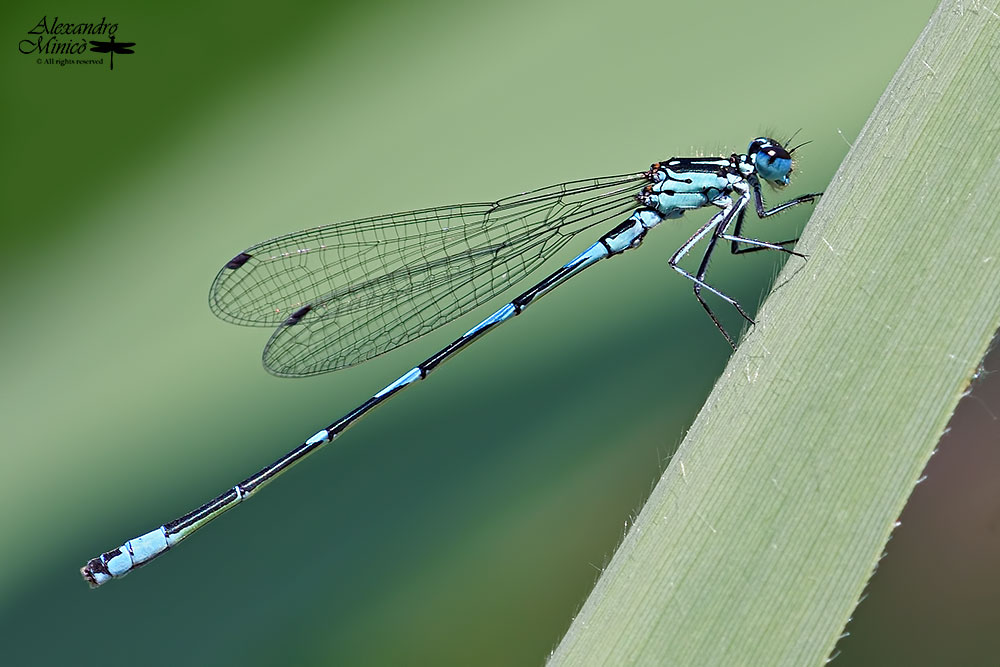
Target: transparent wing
[346, 292]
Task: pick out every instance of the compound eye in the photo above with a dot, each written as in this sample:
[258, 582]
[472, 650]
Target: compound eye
[773, 163]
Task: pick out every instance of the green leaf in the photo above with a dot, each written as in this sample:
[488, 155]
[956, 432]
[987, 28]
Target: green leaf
[756, 544]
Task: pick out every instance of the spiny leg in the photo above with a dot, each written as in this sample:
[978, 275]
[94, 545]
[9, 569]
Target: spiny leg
[758, 200]
[736, 238]
[759, 245]
[719, 221]
[702, 268]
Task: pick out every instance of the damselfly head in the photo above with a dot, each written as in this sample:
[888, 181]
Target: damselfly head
[772, 162]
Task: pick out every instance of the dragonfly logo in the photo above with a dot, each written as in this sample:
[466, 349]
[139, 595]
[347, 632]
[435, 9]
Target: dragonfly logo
[112, 48]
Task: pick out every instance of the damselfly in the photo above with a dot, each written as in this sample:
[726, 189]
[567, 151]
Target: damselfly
[347, 292]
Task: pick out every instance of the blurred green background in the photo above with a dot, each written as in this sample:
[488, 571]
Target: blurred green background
[465, 522]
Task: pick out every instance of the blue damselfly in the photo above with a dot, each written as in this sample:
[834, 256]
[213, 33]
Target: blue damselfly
[347, 292]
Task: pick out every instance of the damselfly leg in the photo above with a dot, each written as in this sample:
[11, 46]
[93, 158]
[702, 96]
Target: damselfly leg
[718, 225]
